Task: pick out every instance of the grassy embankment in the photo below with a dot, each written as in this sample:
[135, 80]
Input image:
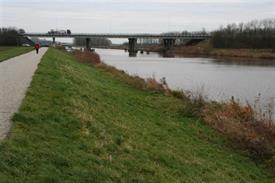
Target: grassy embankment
[79, 123]
[9, 52]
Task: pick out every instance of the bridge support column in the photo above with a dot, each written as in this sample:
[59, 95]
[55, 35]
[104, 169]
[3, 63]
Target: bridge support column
[168, 43]
[53, 43]
[88, 40]
[132, 47]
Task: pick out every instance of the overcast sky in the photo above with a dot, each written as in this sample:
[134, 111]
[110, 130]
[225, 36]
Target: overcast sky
[124, 16]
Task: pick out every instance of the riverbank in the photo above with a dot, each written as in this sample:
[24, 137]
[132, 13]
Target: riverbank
[9, 52]
[80, 123]
[204, 49]
[250, 128]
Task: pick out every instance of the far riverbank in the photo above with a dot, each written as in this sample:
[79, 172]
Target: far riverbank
[205, 50]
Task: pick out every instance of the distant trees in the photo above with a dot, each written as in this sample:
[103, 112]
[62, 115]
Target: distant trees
[10, 36]
[253, 34]
[94, 42]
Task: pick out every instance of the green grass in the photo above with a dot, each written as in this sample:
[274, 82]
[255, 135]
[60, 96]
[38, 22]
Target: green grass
[9, 52]
[79, 124]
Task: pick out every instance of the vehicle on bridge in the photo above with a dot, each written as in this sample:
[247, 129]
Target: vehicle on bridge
[59, 32]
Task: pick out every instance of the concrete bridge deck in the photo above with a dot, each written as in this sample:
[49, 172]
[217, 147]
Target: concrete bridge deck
[88, 35]
[168, 39]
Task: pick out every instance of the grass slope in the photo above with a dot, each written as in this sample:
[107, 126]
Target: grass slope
[79, 124]
[6, 53]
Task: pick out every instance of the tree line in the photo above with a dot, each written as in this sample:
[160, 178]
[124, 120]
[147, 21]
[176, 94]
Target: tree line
[254, 34]
[10, 36]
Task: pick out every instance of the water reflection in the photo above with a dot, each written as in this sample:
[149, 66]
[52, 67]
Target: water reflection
[245, 62]
[167, 54]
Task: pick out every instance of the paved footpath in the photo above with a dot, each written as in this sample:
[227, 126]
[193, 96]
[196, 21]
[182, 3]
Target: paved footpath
[15, 77]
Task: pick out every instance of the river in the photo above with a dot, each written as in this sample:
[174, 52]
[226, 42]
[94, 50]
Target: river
[217, 79]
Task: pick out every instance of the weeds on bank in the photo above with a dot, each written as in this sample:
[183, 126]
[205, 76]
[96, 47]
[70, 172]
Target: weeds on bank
[144, 84]
[245, 125]
[150, 84]
[87, 57]
[242, 125]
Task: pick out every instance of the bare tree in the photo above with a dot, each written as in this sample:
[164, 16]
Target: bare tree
[253, 34]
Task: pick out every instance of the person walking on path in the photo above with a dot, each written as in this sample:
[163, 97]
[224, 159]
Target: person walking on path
[37, 46]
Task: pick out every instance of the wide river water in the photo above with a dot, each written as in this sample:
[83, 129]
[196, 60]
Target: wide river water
[217, 79]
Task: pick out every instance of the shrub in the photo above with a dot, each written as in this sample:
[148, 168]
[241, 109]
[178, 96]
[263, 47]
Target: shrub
[87, 57]
[241, 125]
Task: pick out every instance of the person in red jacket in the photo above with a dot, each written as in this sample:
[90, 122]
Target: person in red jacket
[37, 46]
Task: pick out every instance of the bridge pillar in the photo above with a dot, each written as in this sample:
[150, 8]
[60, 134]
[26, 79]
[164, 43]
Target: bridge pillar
[88, 40]
[168, 43]
[132, 47]
[53, 43]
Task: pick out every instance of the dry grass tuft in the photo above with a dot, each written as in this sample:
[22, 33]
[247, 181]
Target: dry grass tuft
[241, 124]
[87, 57]
[247, 126]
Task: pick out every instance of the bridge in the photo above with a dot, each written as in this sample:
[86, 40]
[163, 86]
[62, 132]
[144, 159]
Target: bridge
[168, 39]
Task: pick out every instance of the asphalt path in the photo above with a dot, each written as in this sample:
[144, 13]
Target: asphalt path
[15, 77]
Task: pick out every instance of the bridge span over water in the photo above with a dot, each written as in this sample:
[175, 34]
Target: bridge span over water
[168, 40]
